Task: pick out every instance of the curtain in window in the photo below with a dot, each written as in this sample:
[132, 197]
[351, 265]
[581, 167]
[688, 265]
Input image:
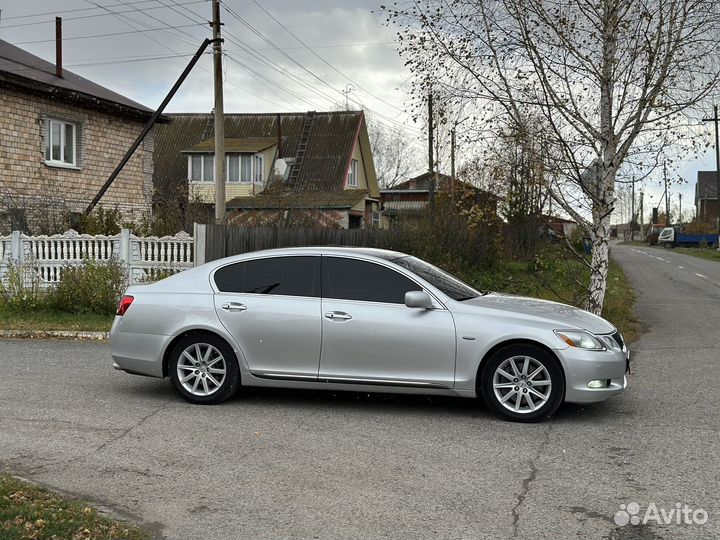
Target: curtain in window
[246, 168]
[69, 144]
[208, 168]
[258, 169]
[55, 136]
[233, 168]
[196, 168]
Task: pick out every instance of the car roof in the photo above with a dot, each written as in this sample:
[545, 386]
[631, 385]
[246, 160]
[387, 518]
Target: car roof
[331, 250]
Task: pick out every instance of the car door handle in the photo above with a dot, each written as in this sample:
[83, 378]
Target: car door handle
[234, 306]
[338, 315]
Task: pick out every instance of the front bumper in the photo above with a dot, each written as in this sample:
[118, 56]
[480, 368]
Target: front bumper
[583, 366]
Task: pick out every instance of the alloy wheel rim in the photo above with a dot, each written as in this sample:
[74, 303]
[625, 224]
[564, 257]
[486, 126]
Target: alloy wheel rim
[201, 369]
[522, 384]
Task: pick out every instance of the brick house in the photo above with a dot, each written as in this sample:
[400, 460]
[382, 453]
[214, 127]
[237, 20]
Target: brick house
[60, 138]
[313, 168]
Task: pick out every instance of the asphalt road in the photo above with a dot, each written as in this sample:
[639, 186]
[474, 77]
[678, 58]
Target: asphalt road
[291, 464]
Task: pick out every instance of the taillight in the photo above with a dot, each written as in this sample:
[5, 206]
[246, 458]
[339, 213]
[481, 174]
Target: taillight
[124, 304]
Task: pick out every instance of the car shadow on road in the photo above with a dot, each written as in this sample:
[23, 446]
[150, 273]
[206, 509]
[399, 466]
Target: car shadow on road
[160, 390]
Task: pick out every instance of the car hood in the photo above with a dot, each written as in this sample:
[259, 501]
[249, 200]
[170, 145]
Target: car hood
[563, 315]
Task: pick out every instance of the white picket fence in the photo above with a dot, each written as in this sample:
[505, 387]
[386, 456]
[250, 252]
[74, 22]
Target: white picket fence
[142, 256]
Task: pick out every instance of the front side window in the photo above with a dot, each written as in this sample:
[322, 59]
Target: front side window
[351, 279]
[447, 283]
[352, 174]
[291, 276]
[61, 142]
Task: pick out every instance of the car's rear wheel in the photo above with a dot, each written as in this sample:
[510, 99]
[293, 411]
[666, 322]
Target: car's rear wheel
[203, 369]
[523, 383]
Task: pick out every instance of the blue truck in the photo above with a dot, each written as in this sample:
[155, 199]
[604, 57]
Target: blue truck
[675, 237]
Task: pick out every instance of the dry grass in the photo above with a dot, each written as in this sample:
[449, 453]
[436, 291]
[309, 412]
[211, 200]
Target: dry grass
[33, 513]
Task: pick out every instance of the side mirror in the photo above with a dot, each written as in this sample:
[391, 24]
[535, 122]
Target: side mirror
[418, 299]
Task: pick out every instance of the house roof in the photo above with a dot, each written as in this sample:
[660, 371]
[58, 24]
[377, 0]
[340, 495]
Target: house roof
[273, 199]
[234, 144]
[331, 140]
[19, 68]
[706, 185]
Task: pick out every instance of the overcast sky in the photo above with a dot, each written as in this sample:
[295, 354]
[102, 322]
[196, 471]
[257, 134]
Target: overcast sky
[354, 50]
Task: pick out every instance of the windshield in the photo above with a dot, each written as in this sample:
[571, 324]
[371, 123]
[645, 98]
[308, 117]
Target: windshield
[447, 283]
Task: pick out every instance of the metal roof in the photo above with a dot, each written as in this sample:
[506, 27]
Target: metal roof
[275, 199]
[19, 68]
[330, 144]
[234, 144]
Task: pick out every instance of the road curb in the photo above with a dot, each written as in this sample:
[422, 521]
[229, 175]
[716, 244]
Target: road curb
[54, 334]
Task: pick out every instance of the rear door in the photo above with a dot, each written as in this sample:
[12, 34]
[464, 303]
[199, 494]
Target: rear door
[271, 306]
[371, 337]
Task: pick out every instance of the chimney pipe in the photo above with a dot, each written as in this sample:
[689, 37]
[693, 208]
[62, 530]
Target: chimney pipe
[279, 138]
[58, 47]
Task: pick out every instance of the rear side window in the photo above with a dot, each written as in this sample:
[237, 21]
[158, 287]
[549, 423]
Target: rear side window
[291, 276]
[350, 279]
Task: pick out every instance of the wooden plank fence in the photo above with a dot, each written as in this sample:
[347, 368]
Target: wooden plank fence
[225, 240]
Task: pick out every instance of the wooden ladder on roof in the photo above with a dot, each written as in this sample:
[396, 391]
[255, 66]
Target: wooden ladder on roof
[302, 148]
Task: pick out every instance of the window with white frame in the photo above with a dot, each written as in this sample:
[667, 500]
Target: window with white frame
[61, 143]
[201, 167]
[353, 174]
[243, 168]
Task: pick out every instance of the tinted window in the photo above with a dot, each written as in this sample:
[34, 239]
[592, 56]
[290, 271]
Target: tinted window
[350, 279]
[292, 276]
[447, 283]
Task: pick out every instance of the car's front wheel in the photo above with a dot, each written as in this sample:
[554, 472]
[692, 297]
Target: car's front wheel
[203, 369]
[523, 383]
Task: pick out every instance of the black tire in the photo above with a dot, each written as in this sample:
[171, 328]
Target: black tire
[229, 383]
[537, 357]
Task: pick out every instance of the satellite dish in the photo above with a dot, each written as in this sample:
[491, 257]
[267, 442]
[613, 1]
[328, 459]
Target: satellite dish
[280, 167]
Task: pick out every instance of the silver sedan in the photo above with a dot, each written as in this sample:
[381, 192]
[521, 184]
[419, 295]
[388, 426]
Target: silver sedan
[364, 320]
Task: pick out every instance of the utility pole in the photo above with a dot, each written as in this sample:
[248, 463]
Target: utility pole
[431, 163]
[667, 198]
[348, 88]
[632, 212]
[642, 219]
[219, 116]
[680, 209]
[715, 120]
[452, 163]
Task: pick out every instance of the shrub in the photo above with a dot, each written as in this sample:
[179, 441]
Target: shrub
[20, 289]
[92, 287]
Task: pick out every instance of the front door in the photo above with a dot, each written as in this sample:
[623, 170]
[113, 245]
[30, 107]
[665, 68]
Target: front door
[371, 337]
[271, 306]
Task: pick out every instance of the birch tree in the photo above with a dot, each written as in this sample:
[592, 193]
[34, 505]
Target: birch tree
[618, 83]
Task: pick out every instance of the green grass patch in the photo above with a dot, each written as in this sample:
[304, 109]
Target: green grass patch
[31, 512]
[710, 254]
[54, 320]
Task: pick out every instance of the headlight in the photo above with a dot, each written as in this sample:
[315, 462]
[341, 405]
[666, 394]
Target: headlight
[580, 339]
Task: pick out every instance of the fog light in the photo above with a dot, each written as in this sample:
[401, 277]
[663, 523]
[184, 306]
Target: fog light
[600, 383]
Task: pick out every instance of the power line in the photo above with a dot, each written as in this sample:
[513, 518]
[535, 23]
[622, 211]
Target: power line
[306, 46]
[320, 79]
[104, 35]
[94, 15]
[31, 15]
